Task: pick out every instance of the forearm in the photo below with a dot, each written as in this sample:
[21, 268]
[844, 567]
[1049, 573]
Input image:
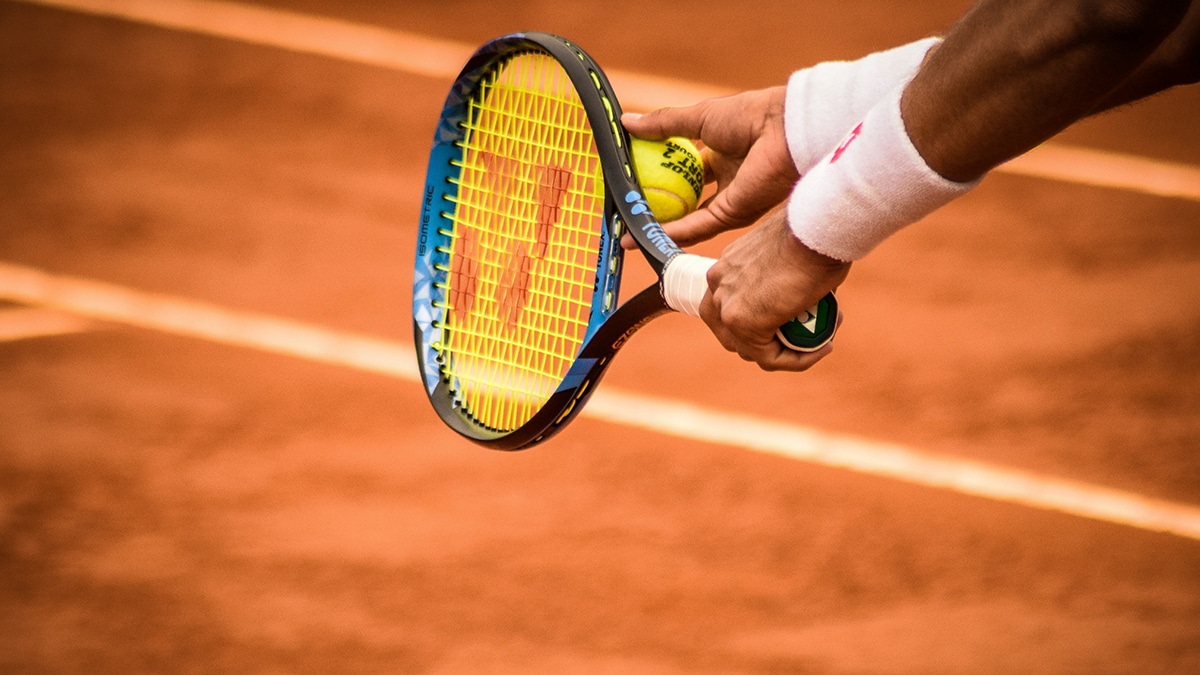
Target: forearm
[1011, 75]
[1175, 62]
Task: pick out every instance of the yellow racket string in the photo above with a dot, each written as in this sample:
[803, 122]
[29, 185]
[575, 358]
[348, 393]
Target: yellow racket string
[525, 243]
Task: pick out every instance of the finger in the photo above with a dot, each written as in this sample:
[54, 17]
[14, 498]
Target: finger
[711, 317]
[712, 162]
[791, 360]
[664, 122]
[783, 359]
[687, 231]
[732, 208]
[748, 347]
[769, 354]
[694, 228]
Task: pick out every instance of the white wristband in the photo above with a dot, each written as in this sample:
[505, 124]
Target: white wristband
[824, 102]
[868, 188]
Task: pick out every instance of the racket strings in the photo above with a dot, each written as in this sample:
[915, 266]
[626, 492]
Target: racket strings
[525, 243]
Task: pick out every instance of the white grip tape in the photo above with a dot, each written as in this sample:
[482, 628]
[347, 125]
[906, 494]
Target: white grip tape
[685, 281]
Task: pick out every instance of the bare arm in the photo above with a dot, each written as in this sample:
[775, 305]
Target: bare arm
[1175, 62]
[1011, 75]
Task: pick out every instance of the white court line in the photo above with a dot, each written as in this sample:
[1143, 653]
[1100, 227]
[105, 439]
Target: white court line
[108, 302]
[206, 321]
[420, 55]
[1098, 168]
[22, 323]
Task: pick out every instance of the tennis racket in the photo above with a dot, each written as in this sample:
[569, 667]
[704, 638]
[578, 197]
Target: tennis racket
[529, 189]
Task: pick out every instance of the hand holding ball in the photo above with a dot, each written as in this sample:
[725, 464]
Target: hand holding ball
[672, 175]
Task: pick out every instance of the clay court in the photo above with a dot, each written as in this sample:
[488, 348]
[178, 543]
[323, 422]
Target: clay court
[215, 456]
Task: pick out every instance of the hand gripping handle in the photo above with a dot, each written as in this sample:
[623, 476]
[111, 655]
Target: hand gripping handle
[685, 282]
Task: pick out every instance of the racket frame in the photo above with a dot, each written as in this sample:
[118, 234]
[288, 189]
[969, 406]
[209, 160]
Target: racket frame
[609, 324]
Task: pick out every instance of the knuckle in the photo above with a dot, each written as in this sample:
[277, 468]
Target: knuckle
[737, 315]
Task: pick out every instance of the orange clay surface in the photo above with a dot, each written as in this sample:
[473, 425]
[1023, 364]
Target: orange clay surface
[173, 505]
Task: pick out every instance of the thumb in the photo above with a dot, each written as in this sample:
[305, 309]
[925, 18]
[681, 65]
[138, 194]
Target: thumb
[694, 228]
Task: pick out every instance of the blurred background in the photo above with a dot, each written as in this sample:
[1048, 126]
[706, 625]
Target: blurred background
[179, 494]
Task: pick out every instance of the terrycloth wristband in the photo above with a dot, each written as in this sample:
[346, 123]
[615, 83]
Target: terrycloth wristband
[868, 188]
[825, 101]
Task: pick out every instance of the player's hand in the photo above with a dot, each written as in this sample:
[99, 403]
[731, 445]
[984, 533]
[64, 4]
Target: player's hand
[744, 150]
[760, 282]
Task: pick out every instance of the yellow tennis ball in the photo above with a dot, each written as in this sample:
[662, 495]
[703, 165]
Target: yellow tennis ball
[672, 175]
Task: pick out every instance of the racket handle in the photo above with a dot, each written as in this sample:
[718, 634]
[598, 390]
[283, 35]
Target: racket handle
[685, 282]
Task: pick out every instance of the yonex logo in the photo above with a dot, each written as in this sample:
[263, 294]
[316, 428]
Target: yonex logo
[639, 203]
[809, 321]
[653, 230]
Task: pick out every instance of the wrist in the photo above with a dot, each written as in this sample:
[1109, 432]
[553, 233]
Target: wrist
[823, 270]
[872, 185]
[774, 121]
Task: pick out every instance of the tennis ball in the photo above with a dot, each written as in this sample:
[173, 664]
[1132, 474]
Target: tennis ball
[672, 175]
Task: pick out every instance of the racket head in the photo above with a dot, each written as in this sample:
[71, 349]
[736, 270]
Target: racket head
[529, 187]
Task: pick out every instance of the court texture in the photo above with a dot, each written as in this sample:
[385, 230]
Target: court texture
[215, 455]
